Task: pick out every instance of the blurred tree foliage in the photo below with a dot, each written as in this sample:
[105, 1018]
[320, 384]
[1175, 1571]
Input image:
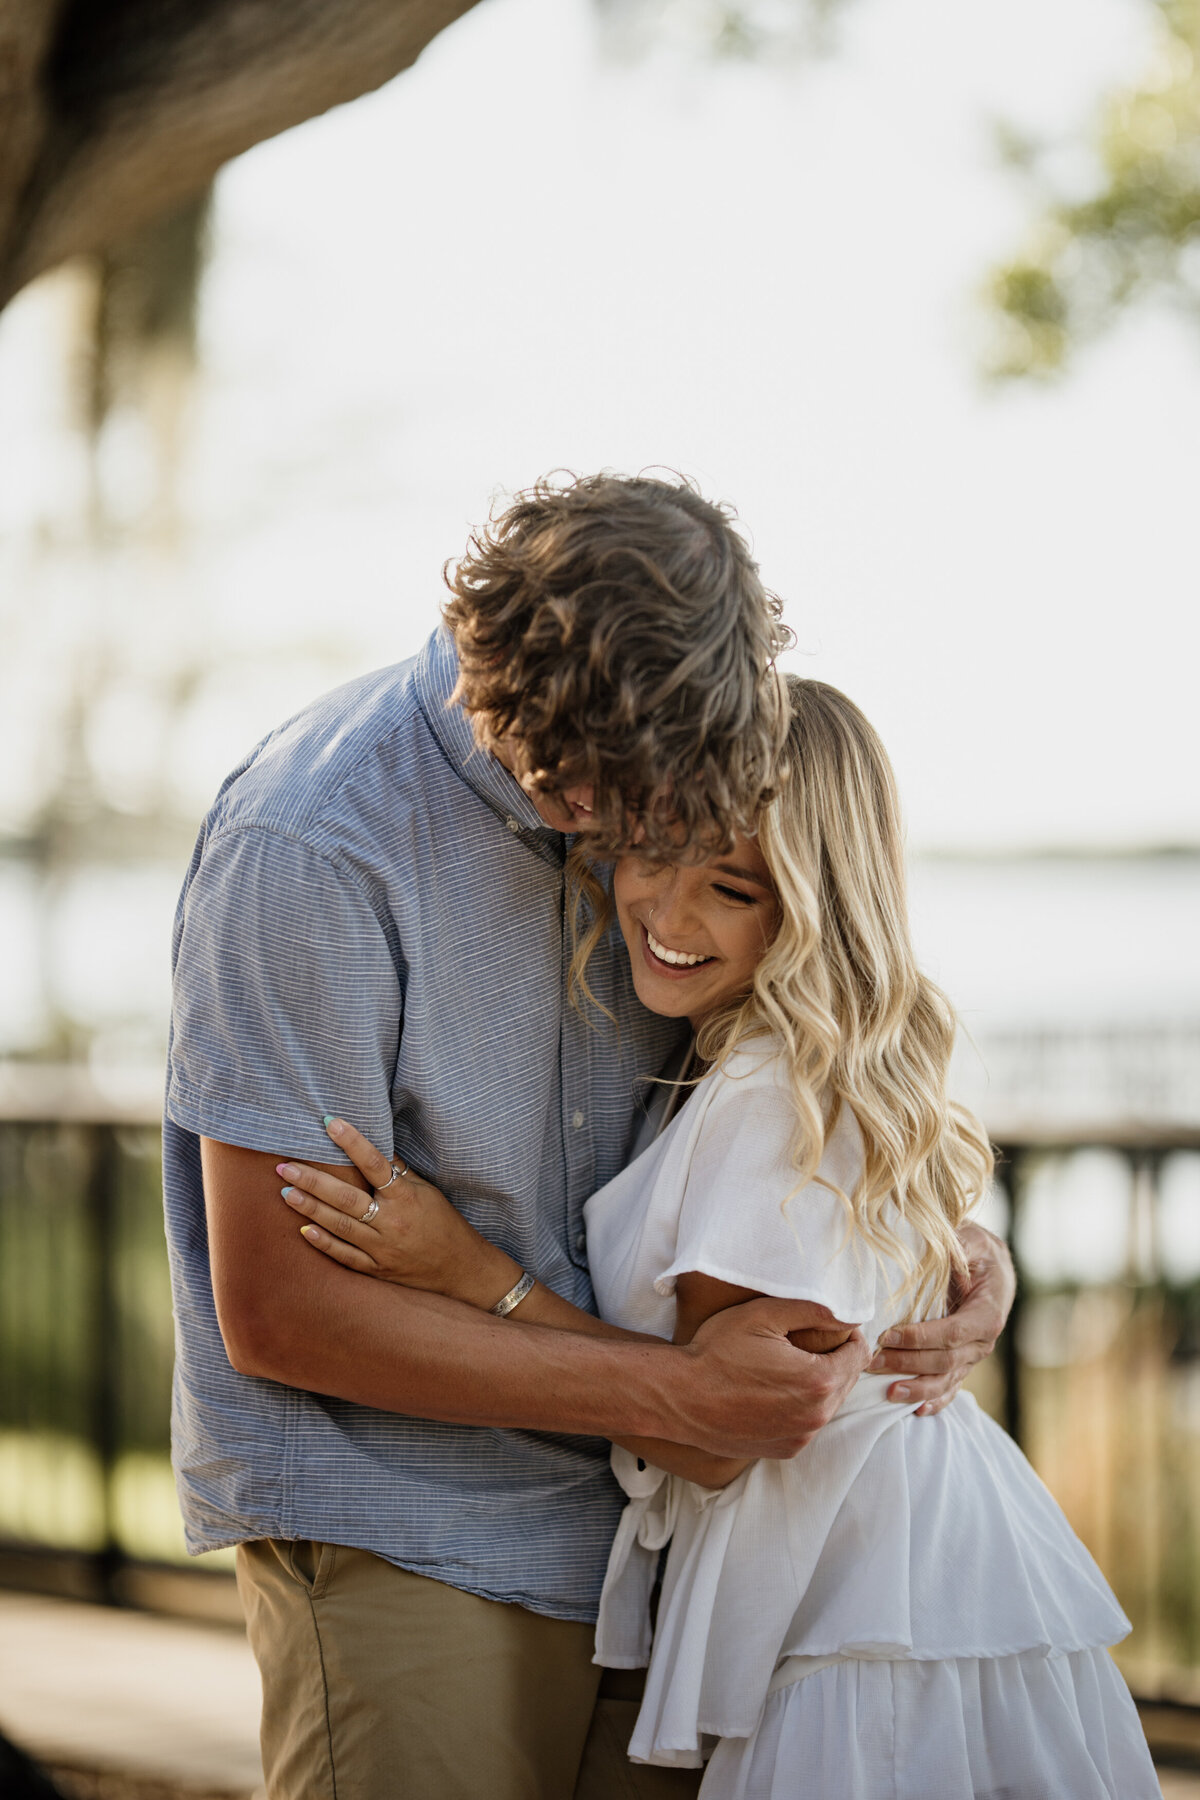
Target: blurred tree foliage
[1117, 215]
[741, 30]
[1129, 229]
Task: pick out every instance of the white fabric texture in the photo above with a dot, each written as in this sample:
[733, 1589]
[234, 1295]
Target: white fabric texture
[1009, 1728]
[888, 1541]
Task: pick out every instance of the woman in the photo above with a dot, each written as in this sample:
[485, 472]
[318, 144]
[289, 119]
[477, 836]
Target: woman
[901, 1610]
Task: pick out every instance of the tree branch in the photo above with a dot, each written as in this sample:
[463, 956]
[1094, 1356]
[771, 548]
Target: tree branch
[113, 112]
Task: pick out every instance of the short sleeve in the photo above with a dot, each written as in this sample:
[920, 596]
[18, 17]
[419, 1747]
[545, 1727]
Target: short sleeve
[286, 1001]
[744, 1220]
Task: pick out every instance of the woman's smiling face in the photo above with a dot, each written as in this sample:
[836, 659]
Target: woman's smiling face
[695, 931]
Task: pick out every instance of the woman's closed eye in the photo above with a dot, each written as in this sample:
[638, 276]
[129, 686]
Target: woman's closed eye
[737, 894]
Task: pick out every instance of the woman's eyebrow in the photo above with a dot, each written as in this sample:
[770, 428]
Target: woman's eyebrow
[742, 874]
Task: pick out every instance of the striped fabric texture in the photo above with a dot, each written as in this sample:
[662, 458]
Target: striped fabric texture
[373, 925]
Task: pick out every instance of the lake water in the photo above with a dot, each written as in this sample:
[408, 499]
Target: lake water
[1090, 964]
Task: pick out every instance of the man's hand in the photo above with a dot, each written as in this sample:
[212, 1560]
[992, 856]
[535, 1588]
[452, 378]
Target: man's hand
[938, 1356]
[751, 1392]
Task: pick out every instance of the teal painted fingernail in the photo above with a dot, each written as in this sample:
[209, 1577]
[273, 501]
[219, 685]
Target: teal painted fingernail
[329, 1118]
[287, 1192]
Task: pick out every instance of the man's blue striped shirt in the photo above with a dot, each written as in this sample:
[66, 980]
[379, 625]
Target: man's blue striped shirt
[373, 925]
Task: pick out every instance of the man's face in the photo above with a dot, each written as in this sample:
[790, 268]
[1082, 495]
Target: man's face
[568, 810]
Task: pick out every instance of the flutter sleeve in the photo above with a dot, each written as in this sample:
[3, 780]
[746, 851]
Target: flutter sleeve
[743, 1217]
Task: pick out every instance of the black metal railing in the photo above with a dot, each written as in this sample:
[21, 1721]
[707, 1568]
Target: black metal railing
[1101, 1369]
[86, 1348]
[1098, 1376]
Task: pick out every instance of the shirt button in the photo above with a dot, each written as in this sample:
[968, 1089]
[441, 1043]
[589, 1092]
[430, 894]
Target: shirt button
[512, 824]
[577, 1120]
[580, 1244]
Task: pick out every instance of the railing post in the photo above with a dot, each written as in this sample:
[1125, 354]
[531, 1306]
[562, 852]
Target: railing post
[103, 1401]
[1007, 1179]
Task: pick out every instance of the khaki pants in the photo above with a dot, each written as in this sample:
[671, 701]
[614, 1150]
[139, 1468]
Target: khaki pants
[383, 1685]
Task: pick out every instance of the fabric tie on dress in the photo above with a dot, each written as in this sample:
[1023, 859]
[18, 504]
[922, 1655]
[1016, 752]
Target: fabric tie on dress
[647, 1525]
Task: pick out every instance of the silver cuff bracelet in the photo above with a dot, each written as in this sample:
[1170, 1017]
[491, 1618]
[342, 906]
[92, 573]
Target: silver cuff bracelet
[514, 1296]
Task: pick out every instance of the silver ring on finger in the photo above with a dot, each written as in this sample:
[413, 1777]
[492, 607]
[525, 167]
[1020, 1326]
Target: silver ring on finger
[398, 1169]
[372, 1209]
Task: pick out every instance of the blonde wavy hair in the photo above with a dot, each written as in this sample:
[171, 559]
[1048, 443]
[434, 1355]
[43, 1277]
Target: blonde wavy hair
[839, 988]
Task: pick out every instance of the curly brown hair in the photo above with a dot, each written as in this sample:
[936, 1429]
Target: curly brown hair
[613, 631]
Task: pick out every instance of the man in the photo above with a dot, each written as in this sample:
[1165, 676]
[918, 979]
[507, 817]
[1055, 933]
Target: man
[374, 926]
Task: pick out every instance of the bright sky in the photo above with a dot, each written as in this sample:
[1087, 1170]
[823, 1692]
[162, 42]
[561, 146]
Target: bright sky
[522, 256]
[518, 257]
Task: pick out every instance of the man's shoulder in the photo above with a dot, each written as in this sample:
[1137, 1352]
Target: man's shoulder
[323, 765]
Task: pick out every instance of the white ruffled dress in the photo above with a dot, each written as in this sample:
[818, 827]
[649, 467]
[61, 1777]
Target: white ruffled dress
[901, 1612]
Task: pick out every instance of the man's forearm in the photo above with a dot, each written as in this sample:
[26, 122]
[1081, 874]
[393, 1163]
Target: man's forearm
[288, 1314]
[408, 1352]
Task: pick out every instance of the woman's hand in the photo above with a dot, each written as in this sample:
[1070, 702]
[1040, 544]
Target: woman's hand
[414, 1237]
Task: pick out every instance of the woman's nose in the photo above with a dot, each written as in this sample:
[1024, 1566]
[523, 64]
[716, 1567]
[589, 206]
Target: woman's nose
[672, 911]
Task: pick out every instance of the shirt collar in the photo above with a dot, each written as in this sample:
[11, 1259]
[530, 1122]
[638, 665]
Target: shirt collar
[435, 677]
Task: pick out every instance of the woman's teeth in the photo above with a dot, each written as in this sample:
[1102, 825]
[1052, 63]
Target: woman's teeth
[680, 958]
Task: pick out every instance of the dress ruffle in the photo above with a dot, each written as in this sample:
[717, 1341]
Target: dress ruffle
[886, 1538]
[1005, 1728]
